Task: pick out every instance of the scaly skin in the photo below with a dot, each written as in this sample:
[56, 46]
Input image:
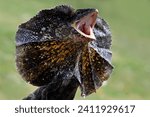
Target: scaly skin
[49, 50]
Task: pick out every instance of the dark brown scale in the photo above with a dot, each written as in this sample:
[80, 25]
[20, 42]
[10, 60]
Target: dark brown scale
[87, 84]
[101, 67]
[41, 60]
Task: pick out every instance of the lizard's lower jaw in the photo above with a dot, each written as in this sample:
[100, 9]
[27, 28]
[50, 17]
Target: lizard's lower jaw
[86, 25]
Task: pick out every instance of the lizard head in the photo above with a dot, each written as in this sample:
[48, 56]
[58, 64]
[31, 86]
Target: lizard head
[59, 23]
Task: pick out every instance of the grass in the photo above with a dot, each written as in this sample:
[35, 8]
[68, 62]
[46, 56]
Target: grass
[130, 26]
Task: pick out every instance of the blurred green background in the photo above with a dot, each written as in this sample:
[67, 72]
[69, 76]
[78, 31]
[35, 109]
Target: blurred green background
[130, 25]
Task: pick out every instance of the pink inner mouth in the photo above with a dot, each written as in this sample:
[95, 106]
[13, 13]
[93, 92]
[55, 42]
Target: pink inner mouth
[86, 24]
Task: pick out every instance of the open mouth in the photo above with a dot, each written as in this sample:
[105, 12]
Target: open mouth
[86, 25]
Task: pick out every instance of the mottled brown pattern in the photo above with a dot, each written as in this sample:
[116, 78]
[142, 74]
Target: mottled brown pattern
[87, 84]
[35, 58]
[100, 65]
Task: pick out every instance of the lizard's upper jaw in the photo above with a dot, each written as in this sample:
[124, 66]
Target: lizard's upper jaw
[85, 25]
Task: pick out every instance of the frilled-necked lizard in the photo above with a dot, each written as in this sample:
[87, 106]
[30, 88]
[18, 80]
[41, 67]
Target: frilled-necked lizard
[61, 49]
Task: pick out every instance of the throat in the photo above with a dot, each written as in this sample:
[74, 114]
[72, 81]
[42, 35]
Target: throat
[85, 29]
